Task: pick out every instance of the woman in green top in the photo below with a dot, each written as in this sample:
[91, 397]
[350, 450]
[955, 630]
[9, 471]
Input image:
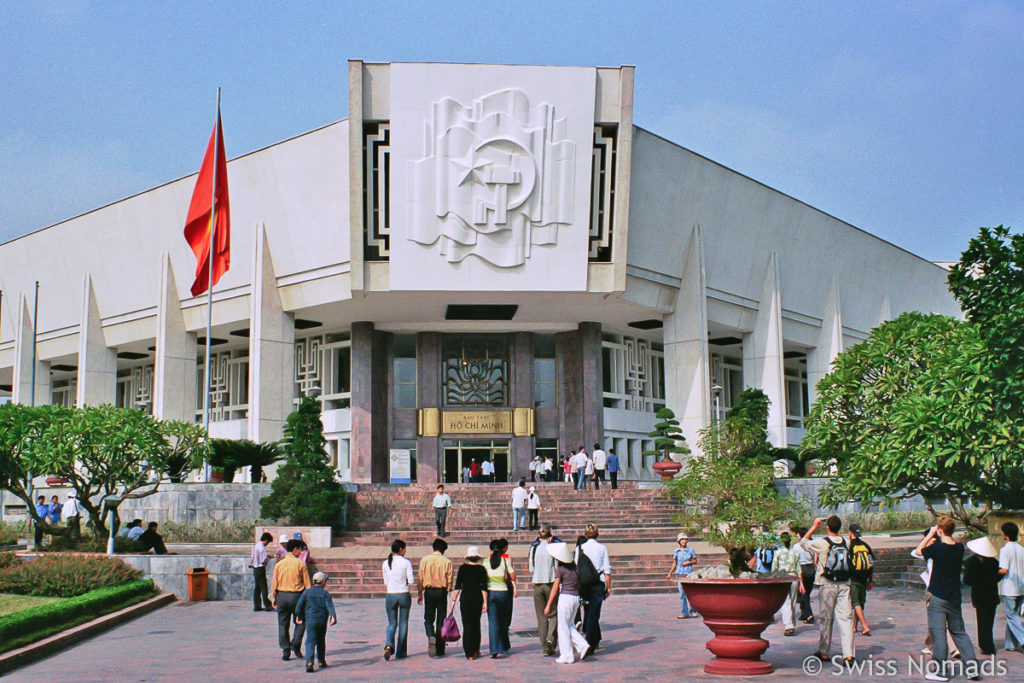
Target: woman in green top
[501, 590]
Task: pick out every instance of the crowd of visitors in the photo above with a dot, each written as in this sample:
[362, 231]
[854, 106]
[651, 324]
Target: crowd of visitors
[578, 468]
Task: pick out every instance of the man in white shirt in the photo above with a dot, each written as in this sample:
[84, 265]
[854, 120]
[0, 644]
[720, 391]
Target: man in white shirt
[834, 605]
[532, 467]
[487, 470]
[1011, 588]
[588, 471]
[73, 515]
[580, 462]
[519, 496]
[549, 466]
[596, 595]
[442, 501]
[600, 459]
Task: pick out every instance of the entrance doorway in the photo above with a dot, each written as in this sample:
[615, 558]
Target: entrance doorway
[459, 453]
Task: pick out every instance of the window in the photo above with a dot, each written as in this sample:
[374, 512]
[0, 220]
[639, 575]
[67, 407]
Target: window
[229, 386]
[475, 371]
[633, 373]
[602, 193]
[403, 366]
[726, 372]
[324, 363]
[376, 190]
[545, 372]
[796, 397]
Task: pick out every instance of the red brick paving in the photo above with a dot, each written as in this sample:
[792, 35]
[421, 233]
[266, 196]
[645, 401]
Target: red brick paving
[226, 641]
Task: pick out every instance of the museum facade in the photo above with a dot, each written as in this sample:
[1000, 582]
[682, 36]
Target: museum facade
[480, 261]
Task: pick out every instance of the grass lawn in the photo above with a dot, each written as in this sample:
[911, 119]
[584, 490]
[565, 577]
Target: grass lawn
[15, 603]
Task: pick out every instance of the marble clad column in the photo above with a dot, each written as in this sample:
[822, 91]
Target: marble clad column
[21, 386]
[521, 353]
[369, 441]
[429, 468]
[593, 385]
[762, 354]
[271, 349]
[97, 364]
[687, 356]
[569, 361]
[830, 342]
[174, 372]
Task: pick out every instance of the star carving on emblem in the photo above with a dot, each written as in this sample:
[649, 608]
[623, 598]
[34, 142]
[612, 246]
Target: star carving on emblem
[468, 165]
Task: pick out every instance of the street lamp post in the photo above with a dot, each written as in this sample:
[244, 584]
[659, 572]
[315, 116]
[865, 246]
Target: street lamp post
[716, 393]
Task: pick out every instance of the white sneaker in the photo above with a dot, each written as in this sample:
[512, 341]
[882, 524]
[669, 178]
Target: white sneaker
[934, 677]
[926, 650]
[563, 661]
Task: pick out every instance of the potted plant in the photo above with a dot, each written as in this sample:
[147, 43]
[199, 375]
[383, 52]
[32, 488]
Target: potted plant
[731, 502]
[668, 439]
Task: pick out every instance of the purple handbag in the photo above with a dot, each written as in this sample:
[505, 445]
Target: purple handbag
[450, 629]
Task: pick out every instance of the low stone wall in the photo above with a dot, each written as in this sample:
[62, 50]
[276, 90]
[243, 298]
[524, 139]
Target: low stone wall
[806, 489]
[230, 575]
[198, 502]
[314, 536]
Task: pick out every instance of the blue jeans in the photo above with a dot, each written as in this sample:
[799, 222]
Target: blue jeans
[518, 518]
[397, 606]
[499, 608]
[687, 609]
[316, 639]
[1014, 629]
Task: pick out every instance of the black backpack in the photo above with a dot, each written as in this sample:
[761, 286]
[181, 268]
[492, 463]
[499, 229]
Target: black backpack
[766, 557]
[589, 576]
[837, 562]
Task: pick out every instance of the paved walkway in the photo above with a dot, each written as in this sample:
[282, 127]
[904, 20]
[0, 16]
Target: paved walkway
[226, 641]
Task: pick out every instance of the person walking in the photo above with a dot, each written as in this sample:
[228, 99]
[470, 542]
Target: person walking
[588, 471]
[926, 576]
[519, 495]
[600, 459]
[833, 581]
[501, 591]
[683, 561]
[566, 590]
[441, 503]
[595, 595]
[533, 508]
[474, 471]
[981, 573]
[398, 582]
[549, 467]
[569, 469]
[1011, 588]
[542, 566]
[613, 468]
[315, 610]
[862, 560]
[471, 594]
[436, 578]
[787, 559]
[806, 583]
[944, 611]
[258, 561]
[291, 578]
[579, 462]
[43, 511]
[532, 467]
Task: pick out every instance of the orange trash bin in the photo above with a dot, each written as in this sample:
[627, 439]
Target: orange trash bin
[197, 580]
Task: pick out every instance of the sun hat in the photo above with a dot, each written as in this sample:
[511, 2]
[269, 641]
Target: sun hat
[473, 551]
[681, 535]
[533, 489]
[319, 577]
[982, 546]
[283, 539]
[560, 551]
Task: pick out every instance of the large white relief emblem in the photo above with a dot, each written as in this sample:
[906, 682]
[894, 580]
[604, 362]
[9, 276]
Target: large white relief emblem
[495, 181]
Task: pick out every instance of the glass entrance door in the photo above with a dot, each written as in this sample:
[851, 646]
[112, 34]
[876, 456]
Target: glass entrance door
[459, 454]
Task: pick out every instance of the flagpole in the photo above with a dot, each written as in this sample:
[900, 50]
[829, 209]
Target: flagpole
[209, 282]
[32, 393]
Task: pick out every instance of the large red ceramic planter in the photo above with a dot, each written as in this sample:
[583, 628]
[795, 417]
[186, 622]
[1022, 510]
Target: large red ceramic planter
[667, 468]
[737, 611]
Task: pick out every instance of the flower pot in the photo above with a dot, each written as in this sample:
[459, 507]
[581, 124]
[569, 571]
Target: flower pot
[737, 611]
[667, 468]
[216, 476]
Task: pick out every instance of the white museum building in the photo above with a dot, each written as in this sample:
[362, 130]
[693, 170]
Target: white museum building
[479, 261]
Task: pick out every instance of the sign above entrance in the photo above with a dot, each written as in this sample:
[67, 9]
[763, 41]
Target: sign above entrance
[476, 422]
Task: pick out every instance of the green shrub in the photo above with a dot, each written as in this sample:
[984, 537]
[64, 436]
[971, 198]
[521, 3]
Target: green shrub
[10, 532]
[65, 575]
[7, 537]
[9, 560]
[38, 622]
[209, 532]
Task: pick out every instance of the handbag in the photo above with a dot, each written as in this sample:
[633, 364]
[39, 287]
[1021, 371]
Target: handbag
[450, 629]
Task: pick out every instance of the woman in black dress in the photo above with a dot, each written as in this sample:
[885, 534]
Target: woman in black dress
[471, 586]
[981, 573]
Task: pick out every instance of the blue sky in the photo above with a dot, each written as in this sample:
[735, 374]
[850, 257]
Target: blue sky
[903, 119]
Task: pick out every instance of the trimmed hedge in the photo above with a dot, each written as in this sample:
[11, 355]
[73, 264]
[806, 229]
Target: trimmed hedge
[39, 622]
[65, 575]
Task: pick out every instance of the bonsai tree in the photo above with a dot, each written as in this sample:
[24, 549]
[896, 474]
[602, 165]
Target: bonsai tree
[729, 500]
[233, 454]
[305, 490]
[668, 437]
[750, 413]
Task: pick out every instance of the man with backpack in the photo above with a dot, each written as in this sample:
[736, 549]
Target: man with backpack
[862, 565]
[761, 561]
[595, 574]
[832, 559]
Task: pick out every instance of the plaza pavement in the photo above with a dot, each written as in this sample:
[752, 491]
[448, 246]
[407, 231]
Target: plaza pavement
[643, 640]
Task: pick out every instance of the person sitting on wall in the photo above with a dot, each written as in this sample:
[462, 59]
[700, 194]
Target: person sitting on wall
[150, 539]
[136, 530]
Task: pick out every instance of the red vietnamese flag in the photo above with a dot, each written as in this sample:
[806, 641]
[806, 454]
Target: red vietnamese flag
[198, 223]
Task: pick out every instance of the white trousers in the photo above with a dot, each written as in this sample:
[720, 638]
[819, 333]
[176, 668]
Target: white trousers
[789, 607]
[569, 638]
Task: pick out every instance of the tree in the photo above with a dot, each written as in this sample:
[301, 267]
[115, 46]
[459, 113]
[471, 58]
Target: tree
[305, 490]
[20, 428]
[668, 437]
[238, 453]
[750, 414]
[728, 499]
[908, 412]
[187, 448]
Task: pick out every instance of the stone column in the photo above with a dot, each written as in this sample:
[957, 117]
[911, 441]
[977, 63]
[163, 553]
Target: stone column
[369, 444]
[429, 468]
[830, 343]
[21, 386]
[763, 354]
[521, 355]
[687, 357]
[593, 384]
[174, 372]
[271, 349]
[581, 402]
[97, 364]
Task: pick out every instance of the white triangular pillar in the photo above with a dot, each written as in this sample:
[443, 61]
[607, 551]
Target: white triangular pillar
[21, 386]
[763, 353]
[271, 349]
[174, 372]
[830, 342]
[97, 364]
[687, 372]
[884, 311]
